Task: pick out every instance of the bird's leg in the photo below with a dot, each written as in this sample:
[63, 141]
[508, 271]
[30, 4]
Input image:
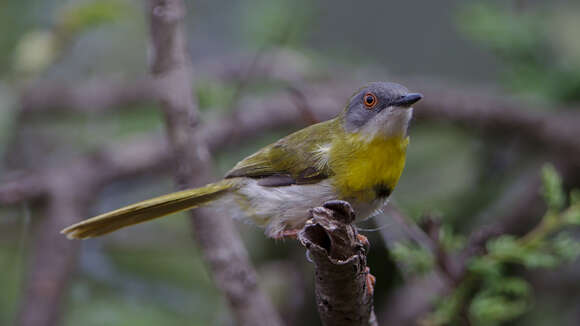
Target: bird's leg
[370, 278]
[287, 234]
[364, 241]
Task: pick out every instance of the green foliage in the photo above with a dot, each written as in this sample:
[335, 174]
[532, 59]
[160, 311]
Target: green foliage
[39, 48]
[278, 23]
[501, 300]
[511, 37]
[419, 260]
[35, 51]
[552, 188]
[496, 296]
[12, 265]
[536, 45]
[566, 247]
[506, 248]
[89, 14]
[212, 94]
[572, 216]
[575, 197]
[449, 240]
[448, 308]
[485, 266]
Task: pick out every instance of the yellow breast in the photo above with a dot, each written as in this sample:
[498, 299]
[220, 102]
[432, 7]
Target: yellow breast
[365, 170]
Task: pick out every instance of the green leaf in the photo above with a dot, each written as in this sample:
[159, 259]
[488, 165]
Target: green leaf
[538, 259]
[211, 94]
[572, 215]
[418, 259]
[500, 300]
[512, 286]
[534, 46]
[492, 309]
[35, 51]
[575, 197]
[505, 247]
[485, 266]
[450, 240]
[552, 188]
[447, 309]
[79, 17]
[566, 247]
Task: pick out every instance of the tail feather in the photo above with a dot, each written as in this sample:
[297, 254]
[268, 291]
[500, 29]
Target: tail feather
[147, 210]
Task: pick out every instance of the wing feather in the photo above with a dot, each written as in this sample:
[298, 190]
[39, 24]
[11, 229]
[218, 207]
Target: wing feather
[298, 156]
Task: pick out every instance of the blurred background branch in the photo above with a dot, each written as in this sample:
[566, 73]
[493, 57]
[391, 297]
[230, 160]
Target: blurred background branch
[54, 258]
[215, 235]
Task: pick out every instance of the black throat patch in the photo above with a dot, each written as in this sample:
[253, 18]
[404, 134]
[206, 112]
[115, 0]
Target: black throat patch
[382, 191]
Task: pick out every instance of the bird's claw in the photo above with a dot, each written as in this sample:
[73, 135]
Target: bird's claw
[287, 234]
[364, 241]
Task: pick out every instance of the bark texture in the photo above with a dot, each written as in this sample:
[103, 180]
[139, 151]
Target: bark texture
[53, 257]
[343, 295]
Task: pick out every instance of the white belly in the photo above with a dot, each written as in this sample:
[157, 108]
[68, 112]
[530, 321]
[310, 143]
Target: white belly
[284, 208]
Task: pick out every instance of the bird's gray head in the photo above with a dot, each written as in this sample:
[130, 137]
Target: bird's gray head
[380, 107]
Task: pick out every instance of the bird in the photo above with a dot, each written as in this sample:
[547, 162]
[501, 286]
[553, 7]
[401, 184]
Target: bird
[356, 157]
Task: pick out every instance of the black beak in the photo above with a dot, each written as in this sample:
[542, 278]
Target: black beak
[408, 100]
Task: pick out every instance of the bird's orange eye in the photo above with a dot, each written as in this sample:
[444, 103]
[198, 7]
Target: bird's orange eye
[369, 99]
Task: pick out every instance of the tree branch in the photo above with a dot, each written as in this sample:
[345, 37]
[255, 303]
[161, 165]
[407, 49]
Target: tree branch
[53, 257]
[151, 153]
[98, 169]
[88, 97]
[343, 294]
[524, 205]
[216, 236]
[556, 131]
[101, 95]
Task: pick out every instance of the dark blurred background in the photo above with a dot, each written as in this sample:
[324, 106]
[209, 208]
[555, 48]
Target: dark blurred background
[524, 52]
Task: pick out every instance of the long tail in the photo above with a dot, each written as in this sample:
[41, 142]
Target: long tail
[147, 210]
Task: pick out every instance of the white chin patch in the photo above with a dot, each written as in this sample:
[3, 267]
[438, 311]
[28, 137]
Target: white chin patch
[391, 122]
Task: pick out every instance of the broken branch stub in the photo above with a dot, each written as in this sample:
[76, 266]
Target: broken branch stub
[344, 296]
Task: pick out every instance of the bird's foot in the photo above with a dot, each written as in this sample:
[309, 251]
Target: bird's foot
[364, 241]
[287, 234]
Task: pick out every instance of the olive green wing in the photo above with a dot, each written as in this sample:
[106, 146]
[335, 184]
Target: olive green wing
[299, 158]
